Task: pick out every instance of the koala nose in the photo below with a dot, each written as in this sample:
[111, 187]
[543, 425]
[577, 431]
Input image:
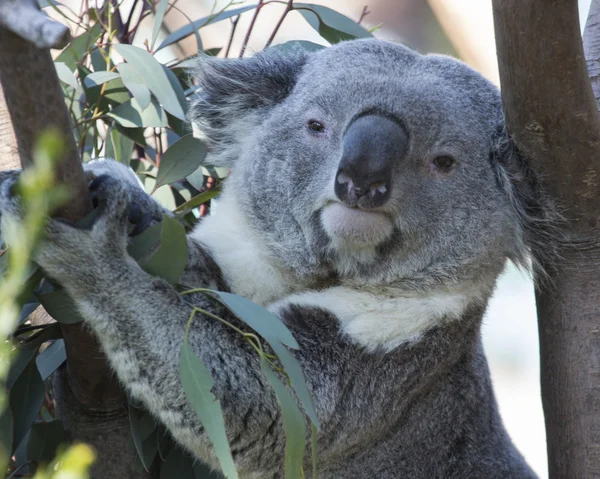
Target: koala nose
[372, 145]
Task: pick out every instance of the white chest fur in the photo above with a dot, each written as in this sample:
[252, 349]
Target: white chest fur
[381, 318]
[243, 258]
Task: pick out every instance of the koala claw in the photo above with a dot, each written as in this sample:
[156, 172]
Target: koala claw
[141, 221]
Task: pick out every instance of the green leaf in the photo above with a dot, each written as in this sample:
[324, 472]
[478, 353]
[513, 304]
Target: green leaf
[142, 246]
[118, 146]
[134, 84]
[199, 199]
[314, 449]
[158, 19]
[213, 52]
[144, 432]
[79, 46]
[171, 257]
[180, 160]
[197, 384]
[131, 115]
[26, 399]
[48, 333]
[51, 358]
[6, 432]
[98, 61]
[65, 74]
[190, 28]
[19, 363]
[60, 306]
[293, 424]
[331, 25]
[44, 440]
[98, 78]
[302, 44]
[279, 338]
[177, 88]
[153, 75]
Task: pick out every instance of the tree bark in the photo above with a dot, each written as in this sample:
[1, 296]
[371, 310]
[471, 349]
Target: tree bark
[90, 401]
[551, 112]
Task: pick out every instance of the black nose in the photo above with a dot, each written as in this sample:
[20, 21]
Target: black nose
[372, 145]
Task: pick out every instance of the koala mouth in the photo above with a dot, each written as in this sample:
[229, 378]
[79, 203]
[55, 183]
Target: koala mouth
[355, 225]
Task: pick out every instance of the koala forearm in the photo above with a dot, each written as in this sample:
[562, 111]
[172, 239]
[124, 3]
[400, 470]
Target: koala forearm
[142, 340]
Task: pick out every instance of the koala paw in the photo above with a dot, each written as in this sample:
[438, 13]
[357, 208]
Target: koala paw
[130, 207]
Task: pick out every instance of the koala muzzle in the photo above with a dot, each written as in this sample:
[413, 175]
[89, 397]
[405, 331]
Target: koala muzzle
[372, 146]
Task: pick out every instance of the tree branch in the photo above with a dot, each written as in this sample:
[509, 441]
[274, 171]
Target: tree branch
[551, 112]
[88, 394]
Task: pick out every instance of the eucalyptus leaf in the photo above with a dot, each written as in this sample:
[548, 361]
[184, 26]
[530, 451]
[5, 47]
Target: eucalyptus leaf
[44, 440]
[198, 385]
[6, 431]
[65, 74]
[294, 425]
[163, 194]
[24, 355]
[299, 44]
[331, 25]
[98, 78]
[279, 338]
[171, 257]
[190, 28]
[47, 333]
[60, 306]
[175, 83]
[79, 46]
[153, 75]
[118, 146]
[142, 246]
[199, 199]
[158, 20]
[131, 115]
[144, 432]
[26, 399]
[134, 83]
[50, 359]
[180, 160]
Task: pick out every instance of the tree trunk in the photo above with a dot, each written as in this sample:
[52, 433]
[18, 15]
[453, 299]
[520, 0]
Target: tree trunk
[552, 114]
[89, 400]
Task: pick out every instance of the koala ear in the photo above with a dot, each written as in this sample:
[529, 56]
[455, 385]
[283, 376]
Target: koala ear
[234, 93]
[536, 214]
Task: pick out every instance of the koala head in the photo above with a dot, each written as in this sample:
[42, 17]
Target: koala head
[369, 161]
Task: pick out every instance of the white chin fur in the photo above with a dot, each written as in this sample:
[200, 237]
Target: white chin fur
[355, 225]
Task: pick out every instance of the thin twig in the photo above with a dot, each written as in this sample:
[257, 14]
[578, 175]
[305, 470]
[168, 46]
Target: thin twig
[251, 27]
[234, 24]
[364, 13]
[288, 8]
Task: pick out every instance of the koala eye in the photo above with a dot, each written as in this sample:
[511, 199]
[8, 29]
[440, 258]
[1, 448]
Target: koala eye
[316, 126]
[444, 163]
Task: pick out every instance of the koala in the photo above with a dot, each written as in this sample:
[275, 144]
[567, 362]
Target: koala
[373, 200]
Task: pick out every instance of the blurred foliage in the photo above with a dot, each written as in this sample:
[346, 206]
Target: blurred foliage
[125, 104]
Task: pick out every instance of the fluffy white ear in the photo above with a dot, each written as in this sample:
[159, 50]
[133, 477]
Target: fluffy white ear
[233, 92]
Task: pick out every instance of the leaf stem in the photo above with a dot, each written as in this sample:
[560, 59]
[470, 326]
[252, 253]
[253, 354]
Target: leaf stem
[288, 8]
[251, 27]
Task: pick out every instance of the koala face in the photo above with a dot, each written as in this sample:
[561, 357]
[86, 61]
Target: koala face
[365, 160]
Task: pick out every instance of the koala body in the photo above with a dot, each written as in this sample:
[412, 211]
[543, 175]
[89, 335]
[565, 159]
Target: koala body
[373, 201]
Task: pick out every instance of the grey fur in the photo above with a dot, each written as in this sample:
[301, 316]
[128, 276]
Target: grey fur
[421, 409]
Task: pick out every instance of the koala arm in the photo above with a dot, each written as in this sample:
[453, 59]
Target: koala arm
[140, 322]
